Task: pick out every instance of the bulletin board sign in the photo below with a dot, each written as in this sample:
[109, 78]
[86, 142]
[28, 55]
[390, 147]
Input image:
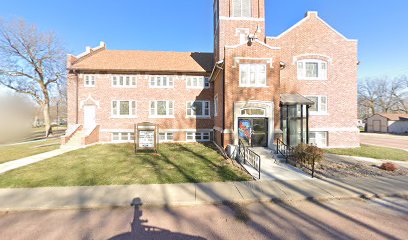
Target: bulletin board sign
[146, 137]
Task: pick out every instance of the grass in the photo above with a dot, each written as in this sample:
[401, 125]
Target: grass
[118, 165]
[372, 152]
[13, 152]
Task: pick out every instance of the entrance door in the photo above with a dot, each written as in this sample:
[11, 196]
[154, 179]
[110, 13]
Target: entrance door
[89, 116]
[253, 131]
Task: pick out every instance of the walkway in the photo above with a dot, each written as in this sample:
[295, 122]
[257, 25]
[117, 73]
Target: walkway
[200, 193]
[11, 165]
[272, 169]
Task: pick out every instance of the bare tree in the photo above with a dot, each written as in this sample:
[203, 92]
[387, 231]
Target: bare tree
[31, 62]
[383, 95]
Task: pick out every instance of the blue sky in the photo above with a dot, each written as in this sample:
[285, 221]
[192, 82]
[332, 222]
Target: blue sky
[186, 25]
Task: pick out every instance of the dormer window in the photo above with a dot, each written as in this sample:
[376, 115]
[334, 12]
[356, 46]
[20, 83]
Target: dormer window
[242, 8]
[312, 69]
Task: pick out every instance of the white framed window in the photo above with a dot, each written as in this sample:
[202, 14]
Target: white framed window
[242, 8]
[319, 106]
[89, 80]
[198, 82]
[161, 82]
[252, 75]
[123, 137]
[161, 109]
[216, 105]
[312, 69]
[198, 109]
[124, 81]
[166, 137]
[318, 139]
[198, 136]
[123, 109]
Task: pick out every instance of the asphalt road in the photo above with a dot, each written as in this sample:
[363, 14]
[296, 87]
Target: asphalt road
[384, 140]
[339, 219]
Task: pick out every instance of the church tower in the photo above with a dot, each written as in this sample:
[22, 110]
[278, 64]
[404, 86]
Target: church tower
[234, 21]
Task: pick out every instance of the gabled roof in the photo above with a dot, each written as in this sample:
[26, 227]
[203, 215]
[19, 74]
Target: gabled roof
[146, 61]
[395, 116]
[310, 14]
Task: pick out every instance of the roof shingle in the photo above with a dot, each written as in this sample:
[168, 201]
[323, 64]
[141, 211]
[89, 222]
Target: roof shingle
[154, 61]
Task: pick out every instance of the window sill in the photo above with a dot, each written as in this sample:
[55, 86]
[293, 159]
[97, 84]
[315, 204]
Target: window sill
[198, 117]
[161, 87]
[158, 117]
[123, 117]
[244, 86]
[119, 87]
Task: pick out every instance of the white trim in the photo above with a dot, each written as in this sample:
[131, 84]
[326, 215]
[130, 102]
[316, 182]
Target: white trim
[237, 61]
[295, 58]
[321, 75]
[155, 115]
[306, 18]
[203, 103]
[204, 79]
[242, 18]
[93, 79]
[319, 100]
[201, 135]
[124, 81]
[216, 106]
[257, 74]
[161, 76]
[89, 50]
[118, 116]
[328, 129]
[82, 103]
[160, 130]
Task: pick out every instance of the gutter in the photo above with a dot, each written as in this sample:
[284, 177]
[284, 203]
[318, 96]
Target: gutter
[216, 67]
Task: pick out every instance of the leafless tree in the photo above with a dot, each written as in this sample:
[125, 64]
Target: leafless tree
[31, 62]
[383, 95]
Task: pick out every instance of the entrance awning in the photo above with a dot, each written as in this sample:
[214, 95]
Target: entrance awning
[294, 99]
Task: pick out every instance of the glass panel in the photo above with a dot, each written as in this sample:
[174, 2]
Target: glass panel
[198, 108]
[114, 108]
[121, 80]
[312, 69]
[124, 108]
[124, 137]
[161, 108]
[114, 81]
[162, 136]
[152, 108]
[115, 136]
[323, 105]
[170, 136]
[127, 81]
[315, 106]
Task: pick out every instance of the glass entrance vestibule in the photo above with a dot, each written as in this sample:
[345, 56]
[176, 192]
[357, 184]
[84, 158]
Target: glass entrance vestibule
[294, 119]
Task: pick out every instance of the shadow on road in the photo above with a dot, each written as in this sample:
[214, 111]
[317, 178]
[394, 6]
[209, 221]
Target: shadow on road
[139, 229]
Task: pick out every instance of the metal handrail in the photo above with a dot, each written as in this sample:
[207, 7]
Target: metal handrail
[249, 157]
[288, 152]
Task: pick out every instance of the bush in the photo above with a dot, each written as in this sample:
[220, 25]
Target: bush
[391, 167]
[306, 153]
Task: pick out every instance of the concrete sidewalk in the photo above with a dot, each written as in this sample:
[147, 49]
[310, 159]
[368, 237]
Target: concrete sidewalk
[14, 164]
[201, 193]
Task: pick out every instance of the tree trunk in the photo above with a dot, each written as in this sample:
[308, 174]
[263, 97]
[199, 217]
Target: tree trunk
[47, 119]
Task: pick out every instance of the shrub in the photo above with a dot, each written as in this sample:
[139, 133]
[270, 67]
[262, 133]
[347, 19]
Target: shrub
[306, 153]
[391, 167]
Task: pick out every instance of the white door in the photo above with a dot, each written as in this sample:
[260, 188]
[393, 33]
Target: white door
[89, 116]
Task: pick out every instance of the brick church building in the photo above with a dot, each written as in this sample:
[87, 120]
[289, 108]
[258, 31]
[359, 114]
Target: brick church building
[300, 86]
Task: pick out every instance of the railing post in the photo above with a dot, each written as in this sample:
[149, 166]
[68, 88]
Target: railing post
[259, 166]
[313, 167]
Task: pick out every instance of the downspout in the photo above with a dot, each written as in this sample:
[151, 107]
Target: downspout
[223, 108]
[76, 99]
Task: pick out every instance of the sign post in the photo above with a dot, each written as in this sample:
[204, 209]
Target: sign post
[146, 136]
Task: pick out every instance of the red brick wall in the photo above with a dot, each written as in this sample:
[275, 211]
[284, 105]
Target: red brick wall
[104, 93]
[314, 37]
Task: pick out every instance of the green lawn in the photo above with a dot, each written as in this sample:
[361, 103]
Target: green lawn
[118, 164]
[8, 153]
[372, 152]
